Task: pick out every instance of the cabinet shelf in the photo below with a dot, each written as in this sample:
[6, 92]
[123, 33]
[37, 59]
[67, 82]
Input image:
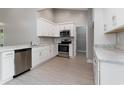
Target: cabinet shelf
[116, 30]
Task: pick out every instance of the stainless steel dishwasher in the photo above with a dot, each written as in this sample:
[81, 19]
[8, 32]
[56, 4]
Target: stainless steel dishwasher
[22, 61]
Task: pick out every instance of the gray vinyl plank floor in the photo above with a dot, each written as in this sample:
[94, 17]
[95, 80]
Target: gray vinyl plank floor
[58, 71]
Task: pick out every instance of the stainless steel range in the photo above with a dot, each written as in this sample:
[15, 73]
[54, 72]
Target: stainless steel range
[63, 48]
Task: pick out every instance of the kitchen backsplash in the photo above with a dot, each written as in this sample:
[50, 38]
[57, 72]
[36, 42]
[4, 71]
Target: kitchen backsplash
[46, 40]
[121, 47]
[105, 45]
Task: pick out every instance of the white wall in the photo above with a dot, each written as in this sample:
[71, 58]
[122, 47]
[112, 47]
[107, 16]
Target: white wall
[79, 17]
[47, 14]
[20, 25]
[99, 36]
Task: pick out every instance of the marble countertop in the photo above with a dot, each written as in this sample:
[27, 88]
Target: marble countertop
[17, 47]
[111, 55]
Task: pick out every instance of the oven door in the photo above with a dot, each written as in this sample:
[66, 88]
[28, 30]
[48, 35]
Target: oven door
[63, 48]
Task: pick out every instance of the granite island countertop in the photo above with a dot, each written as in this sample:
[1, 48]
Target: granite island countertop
[109, 55]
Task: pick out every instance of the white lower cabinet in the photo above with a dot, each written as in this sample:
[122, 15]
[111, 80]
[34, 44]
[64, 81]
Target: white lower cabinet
[46, 53]
[6, 66]
[111, 74]
[107, 73]
[35, 56]
[38, 55]
[96, 70]
[53, 50]
[43, 53]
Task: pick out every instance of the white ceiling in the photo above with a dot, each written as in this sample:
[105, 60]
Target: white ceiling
[83, 9]
[75, 8]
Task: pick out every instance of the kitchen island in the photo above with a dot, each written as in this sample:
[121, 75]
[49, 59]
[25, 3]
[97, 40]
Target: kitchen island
[108, 66]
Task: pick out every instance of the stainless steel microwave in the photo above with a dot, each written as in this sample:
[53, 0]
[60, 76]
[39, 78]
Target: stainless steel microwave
[65, 33]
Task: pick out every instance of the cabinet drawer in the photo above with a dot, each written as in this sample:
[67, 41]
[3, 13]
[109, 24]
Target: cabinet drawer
[7, 54]
[7, 65]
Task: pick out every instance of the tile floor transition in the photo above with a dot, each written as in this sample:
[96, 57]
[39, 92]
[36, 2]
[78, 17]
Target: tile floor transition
[58, 71]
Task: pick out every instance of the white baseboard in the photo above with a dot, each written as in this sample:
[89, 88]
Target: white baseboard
[5, 81]
[89, 61]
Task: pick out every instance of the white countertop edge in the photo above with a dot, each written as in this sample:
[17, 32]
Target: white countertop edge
[105, 60]
[112, 62]
[18, 47]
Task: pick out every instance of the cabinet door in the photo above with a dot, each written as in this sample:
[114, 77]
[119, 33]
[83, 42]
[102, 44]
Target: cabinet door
[120, 16]
[111, 73]
[52, 28]
[44, 28]
[39, 27]
[41, 55]
[42, 31]
[7, 65]
[56, 49]
[70, 27]
[109, 18]
[45, 53]
[105, 20]
[96, 70]
[35, 56]
[52, 51]
[48, 52]
[61, 27]
[67, 26]
[56, 30]
[49, 29]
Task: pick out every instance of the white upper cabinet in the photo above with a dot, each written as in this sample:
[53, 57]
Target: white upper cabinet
[71, 28]
[61, 27]
[50, 29]
[113, 18]
[45, 27]
[56, 32]
[109, 18]
[120, 16]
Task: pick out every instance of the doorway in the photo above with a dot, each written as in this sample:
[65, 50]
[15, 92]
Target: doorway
[81, 39]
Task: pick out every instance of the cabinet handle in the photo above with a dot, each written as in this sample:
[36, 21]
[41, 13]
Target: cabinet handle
[105, 27]
[114, 20]
[9, 54]
[40, 54]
